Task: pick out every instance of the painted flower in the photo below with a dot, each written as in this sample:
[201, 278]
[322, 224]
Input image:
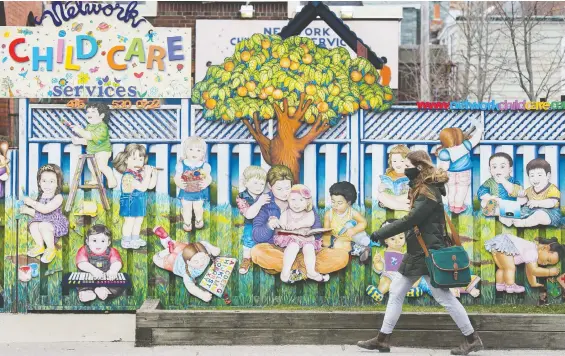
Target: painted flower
[50, 93]
[69, 75]
[54, 80]
[83, 78]
[62, 82]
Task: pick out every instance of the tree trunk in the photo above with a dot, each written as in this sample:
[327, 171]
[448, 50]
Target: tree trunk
[285, 148]
[287, 153]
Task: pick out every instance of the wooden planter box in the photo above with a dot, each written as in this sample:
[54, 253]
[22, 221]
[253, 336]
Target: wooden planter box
[271, 327]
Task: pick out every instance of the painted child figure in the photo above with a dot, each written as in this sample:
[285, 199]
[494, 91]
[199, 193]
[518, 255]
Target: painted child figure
[388, 266]
[249, 202]
[48, 223]
[299, 217]
[508, 251]
[348, 225]
[454, 156]
[540, 202]
[186, 260]
[500, 186]
[393, 190]
[102, 261]
[96, 137]
[193, 177]
[4, 168]
[137, 178]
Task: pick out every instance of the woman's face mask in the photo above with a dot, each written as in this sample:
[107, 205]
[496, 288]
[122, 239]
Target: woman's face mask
[411, 172]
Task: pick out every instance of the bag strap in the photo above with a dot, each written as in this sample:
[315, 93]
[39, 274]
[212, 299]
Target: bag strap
[454, 235]
[421, 241]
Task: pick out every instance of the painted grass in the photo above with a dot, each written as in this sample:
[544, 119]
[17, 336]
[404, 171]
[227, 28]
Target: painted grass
[257, 289]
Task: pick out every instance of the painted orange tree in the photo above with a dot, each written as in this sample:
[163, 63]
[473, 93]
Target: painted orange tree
[293, 81]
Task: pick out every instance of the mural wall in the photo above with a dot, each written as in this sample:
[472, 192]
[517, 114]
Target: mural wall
[264, 187]
[511, 264]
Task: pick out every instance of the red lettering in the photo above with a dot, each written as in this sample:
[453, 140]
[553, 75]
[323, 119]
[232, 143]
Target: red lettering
[12, 50]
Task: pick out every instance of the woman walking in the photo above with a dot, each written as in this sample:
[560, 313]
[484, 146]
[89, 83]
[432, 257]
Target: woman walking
[427, 185]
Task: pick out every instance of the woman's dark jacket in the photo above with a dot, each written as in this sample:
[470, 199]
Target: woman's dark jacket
[428, 215]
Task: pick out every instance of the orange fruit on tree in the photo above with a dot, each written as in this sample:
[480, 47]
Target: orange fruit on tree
[307, 59]
[241, 91]
[364, 105]
[275, 54]
[250, 86]
[285, 62]
[265, 43]
[229, 66]
[291, 111]
[277, 94]
[335, 90]
[310, 119]
[317, 101]
[205, 95]
[355, 106]
[263, 95]
[323, 107]
[305, 48]
[269, 90]
[311, 89]
[356, 76]
[369, 78]
[267, 116]
[210, 104]
[294, 65]
[238, 114]
[225, 117]
[245, 56]
[388, 96]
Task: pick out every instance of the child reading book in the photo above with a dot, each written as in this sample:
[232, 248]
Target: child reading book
[296, 223]
[393, 190]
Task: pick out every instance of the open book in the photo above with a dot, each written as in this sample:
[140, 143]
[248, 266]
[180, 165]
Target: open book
[303, 232]
[395, 187]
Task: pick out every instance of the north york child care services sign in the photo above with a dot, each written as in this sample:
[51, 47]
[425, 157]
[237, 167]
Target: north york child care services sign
[94, 50]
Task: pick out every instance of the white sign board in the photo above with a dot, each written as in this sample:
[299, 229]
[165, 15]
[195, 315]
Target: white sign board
[94, 55]
[216, 39]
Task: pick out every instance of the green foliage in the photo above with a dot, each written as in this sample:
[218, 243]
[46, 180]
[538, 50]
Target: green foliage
[265, 69]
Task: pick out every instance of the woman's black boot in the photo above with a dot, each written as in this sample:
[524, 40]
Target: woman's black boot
[471, 343]
[381, 343]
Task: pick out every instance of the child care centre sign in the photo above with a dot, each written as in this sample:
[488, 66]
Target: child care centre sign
[216, 39]
[94, 50]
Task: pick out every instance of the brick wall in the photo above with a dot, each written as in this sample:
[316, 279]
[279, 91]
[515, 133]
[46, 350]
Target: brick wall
[184, 14]
[16, 15]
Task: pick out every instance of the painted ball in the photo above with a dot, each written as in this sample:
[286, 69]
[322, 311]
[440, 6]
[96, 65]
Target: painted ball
[62, 33]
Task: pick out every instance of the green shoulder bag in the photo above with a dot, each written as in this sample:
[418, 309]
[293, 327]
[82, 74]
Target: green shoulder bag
[449, 267]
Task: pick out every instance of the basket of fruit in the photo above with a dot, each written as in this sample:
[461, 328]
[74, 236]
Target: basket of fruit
[193, 180]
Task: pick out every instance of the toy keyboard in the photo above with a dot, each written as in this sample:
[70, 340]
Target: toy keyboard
[83, 279]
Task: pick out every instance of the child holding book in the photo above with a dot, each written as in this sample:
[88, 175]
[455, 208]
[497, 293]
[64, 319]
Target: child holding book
[299, 217]
[393, 190]
[500, 186]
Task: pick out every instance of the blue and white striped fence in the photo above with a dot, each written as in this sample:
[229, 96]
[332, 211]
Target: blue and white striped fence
[355, 150]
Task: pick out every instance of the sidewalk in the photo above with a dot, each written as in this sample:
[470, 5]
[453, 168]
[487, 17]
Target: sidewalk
[126, 349]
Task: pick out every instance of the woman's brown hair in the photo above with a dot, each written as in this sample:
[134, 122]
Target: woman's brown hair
[429, 174]
[277, 173]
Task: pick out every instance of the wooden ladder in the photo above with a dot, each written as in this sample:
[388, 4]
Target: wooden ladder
[76, 182]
